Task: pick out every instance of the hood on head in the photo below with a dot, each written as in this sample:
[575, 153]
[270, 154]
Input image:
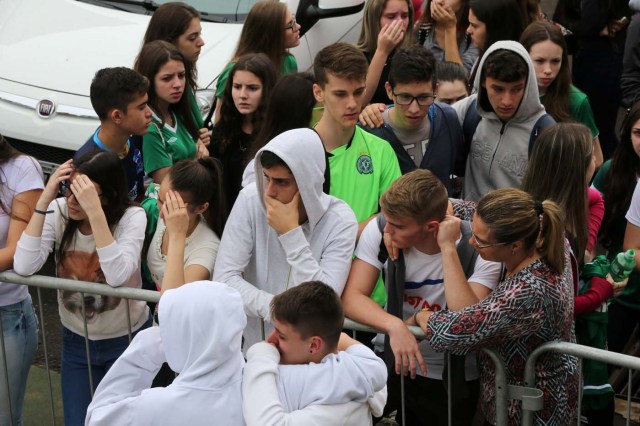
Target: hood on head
[303, 151]
[201, 325]
[530, 104]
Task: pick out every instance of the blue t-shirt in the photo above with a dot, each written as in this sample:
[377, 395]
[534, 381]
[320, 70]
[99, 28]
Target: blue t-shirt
[132, 162]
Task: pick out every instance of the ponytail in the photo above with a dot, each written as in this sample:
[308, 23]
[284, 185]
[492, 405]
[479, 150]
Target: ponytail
[216, 214]
[512, 215]
[202, 180]
[550, 241]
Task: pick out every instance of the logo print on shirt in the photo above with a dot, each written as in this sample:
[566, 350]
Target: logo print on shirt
[364, 165]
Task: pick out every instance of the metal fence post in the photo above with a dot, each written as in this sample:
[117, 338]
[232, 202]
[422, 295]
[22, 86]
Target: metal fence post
[6, 370]
[502, 408]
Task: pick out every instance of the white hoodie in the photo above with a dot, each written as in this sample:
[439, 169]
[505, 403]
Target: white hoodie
[258, 262]
[199, 336]
[343, 389]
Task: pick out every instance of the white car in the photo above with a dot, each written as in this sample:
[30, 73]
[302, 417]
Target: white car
[51, 49]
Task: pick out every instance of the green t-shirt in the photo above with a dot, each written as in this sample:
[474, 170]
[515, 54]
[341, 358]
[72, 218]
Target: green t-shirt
[580, 109]
[360, 172]
[166, 145]
[289, 65]
[630, 296]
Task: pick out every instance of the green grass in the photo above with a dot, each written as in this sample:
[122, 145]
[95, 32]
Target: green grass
[37, 405]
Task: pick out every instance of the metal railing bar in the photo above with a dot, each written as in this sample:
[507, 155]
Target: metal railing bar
[46, 356]
[86, 346]
[81, 286]
[629, 387]
[502, 396]
[126, 302]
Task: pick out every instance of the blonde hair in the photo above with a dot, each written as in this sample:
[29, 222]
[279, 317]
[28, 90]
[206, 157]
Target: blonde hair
[419, 195]
[368, 39]
[514, 215]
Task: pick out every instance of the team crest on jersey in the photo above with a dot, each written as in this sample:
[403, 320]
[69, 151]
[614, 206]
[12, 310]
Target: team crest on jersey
[364, 165]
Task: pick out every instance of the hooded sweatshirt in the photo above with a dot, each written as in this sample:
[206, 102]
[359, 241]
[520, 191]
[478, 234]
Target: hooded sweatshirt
[258, 262]
[499, 155]
[345, 388]
[199, 336]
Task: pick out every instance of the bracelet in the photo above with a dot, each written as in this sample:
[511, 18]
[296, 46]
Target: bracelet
[44, 212]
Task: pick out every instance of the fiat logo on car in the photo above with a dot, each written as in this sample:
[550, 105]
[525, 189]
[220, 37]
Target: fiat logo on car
[45, 108]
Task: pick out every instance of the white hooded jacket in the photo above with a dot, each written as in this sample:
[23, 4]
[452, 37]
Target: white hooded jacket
[499, 151]
[199, 336]
[344, 389]
[258, 262]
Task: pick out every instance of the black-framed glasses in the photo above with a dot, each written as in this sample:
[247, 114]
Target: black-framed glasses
[291, 25]
[483, 245]
[406, 99]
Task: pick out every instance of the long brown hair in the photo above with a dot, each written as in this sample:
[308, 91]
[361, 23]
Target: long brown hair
[556, 98]
[229, 127]
[148, 63]
[513, 215]
[7, 153]
[368, 39]
[168, 23]
[548, 176]
[620, 180]
[265, 19]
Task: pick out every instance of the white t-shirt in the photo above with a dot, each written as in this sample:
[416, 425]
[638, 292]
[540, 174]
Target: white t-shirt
[201, 248]
[424, 288]
[633, 215]
[20, 174]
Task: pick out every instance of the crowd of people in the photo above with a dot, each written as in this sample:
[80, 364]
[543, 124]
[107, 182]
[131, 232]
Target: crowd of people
[443, 172]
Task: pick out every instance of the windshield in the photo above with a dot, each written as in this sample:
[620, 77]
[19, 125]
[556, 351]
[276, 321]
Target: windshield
[233, 10]
[211, 10]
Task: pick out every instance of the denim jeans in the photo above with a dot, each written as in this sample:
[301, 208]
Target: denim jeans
[20, 330]
[76, 391]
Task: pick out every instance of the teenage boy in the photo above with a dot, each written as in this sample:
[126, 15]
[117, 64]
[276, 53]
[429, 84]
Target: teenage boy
[119, 97]
[423, 133]
[308, 372]
[284, 230]
[413, 209]
[361, 166]
[510, 117]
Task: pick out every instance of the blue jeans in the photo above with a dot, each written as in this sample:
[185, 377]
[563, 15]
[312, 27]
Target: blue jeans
[20, 330]
[76, 390]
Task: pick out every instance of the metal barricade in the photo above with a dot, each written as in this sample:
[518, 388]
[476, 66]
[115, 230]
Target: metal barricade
[607, 357]
[40, 281]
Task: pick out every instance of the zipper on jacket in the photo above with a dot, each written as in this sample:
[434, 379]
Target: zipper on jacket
[493, 157]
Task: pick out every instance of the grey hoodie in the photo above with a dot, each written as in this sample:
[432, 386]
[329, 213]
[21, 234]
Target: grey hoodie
[499, 151]
[258, 262]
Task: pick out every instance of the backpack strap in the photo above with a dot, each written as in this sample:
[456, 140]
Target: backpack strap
[542, 123]
[469, 125]
[466, 253]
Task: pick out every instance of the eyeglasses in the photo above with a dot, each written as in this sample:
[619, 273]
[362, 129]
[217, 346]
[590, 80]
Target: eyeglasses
[482, 245]
[65, 189]
[291, 25]
[406, 99]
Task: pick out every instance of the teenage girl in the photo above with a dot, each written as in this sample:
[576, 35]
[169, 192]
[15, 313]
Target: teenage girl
[173, 133]
[192, 212]
[21, 184]
[548, 50]
[265, 18]
[386, 25]
[97, 235]
[179, 24]
[244, 103]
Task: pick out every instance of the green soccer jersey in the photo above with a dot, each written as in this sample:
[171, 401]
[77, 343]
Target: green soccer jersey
[164, 145]
[359, 173]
